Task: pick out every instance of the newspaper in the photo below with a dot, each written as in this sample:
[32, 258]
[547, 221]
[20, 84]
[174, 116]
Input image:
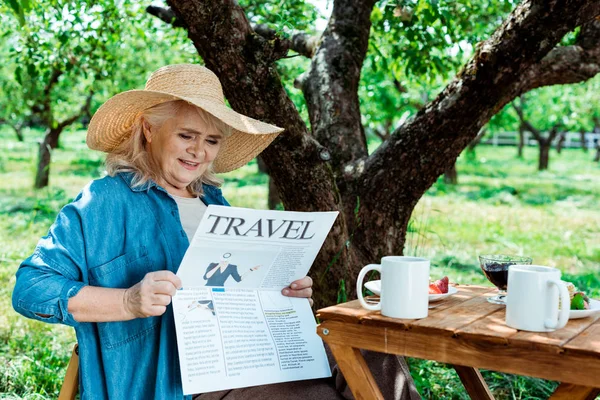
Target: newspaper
[234, 327]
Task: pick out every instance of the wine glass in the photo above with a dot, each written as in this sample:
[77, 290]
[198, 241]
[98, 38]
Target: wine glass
[495, 268]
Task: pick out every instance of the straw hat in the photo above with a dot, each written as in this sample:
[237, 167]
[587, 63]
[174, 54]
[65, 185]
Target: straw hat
[197, 85]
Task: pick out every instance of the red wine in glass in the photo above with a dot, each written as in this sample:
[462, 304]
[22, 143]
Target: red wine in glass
[495, 268]
[498, 275]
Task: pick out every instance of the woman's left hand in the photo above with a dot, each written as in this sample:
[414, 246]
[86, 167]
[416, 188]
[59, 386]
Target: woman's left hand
[300, 288]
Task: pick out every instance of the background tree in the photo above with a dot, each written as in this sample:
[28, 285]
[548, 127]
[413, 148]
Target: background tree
[67, 57]
[329, 167]
[544, 141]
[62, 50]
[12, 113]
[556, 111]
[597, 130]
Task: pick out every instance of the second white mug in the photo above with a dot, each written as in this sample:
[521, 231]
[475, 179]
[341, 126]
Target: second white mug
[532, 301]
[404, 287]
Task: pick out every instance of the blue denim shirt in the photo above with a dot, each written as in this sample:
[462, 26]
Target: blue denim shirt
[111, 235]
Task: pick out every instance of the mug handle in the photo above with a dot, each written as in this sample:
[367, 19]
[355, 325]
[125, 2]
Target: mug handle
[565, 301]
[359, 287]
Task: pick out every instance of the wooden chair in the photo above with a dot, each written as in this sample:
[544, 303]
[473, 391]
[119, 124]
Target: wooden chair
[70, 385]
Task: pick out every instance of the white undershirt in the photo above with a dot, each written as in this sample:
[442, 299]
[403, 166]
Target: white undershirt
[191, 211]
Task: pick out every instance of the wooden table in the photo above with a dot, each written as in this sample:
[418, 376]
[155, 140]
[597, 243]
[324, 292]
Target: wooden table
[468, 332]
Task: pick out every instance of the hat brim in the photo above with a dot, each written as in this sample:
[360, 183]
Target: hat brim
[111, 124]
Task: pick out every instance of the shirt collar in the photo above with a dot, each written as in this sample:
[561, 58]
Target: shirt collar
[128, 178]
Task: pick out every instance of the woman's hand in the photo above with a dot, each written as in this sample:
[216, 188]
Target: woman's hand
[300, 288]
[151, 296]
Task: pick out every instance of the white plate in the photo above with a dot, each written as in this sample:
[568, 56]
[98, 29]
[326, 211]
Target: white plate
[375, 287]
[594, 309]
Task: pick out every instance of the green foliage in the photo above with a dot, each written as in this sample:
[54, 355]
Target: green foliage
[67, 51]
[103, 47]
[415, 47]
[570, 107]
[282, 16]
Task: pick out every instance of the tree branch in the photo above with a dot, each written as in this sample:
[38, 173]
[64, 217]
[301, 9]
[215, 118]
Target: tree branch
[525, 124]
[536, 134]
[299, 42]
[56, 73]
[567, 64]
[17, 127]
[85, 110]
[553, 133]
[166, 15]
[440, 131]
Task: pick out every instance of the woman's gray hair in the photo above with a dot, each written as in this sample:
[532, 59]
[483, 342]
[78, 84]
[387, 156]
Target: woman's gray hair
[131, 155]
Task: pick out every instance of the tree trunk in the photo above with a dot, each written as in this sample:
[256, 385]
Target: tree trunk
[53, 139]
[44, 156]
[273, 200]
[561, 142]
[19, 132]
[583, 143]
[273, 196]
[521, 141]
[544, 155]
[451, 176]
[330, 168]
[597, 156]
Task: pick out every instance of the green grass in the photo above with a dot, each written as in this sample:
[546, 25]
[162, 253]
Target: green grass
[501, 205]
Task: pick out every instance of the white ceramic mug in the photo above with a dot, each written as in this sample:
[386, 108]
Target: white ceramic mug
[404, 287]
[532, 300]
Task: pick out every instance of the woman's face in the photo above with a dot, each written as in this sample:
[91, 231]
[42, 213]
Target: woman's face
[183, 147]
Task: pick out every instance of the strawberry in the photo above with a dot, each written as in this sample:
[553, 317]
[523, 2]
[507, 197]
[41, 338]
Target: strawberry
[442, 284]
[434, 289]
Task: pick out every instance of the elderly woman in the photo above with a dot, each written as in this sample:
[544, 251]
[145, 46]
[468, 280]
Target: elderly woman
[108, 264]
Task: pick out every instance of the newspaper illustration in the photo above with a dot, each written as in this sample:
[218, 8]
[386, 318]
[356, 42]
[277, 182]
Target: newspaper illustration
[234, 327]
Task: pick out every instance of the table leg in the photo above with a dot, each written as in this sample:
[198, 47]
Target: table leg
[357, 372]
[567, 391]
[473, 382]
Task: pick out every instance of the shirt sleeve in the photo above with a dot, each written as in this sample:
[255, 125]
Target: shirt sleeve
[53, 274]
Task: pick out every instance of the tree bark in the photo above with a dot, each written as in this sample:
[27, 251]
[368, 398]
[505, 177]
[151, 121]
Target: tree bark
[44, 158]
[299, 42]
[583, 143]
[273, 197]
[561, 142]
[544, 144]
[50, 143]
[329, 168]
[544, 158]
[521, 141]
[597, 130]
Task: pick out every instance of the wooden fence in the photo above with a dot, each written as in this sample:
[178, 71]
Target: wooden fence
[572, 139]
